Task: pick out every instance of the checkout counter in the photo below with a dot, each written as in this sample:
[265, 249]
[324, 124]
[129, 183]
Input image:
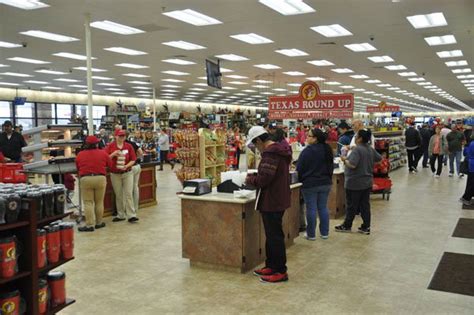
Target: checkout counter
[224, 232]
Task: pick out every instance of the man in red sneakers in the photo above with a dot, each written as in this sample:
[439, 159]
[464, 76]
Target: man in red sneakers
[273, 198]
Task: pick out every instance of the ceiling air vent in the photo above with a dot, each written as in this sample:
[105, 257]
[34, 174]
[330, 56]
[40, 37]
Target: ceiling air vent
[327, 43]
[378, 67]
[151, 28]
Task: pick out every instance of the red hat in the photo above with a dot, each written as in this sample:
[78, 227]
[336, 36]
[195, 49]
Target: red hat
[92, 140]
[120, 132]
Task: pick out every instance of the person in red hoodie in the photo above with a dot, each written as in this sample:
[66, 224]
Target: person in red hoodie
[273, 198]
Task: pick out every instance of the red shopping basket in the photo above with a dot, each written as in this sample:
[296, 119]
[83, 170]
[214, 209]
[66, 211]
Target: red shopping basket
[12, 173]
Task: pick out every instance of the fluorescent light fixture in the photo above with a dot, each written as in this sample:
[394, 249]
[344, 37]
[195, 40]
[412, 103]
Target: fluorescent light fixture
[71, 56]
[16, 74]
[172, 72]
[440, 40]
[126, 51]
[173, 80]
[140, 82]
[86, 90]
[252, 38]
[225, 70]
[194, 89]
[116, 27]
[131, 66]
[235, 76]
[262, 81]
[360, 47]
[50, 36]
[25, 4]
[359, 90]
[192, 17]
[294, 84]
[92, 69]
[393, 88]
[279, 89]
[464, 70]
[51, 88]
[333, 83]
[267, 66]
[424, 83]
[334, 30]
[450, 53]
[430, 87]
[36, 82]
[321, 63]
[327, 91]
[232, 57]
[416, 79]
[465, 76]
[28, 60]
[179, 61]
[346, 87]
[457, 63]
[380, 59]
[135, 75]
[226, 87]
[427, 20]
[142, 88]
[67, 80]
[342, 70]
[384, 85]
[359, 76]
[46, 71]
[9, 45]
[294, 73]
[203, 78]
[181, 44]
[4, 66]
[200, 84]
[108, 84]
[259, 86]
[373, 81]
[118, 93]
[292, 52]
[288, 7]
[79, 86]
[96, 77]
[9, 84]
[396, 67]
[316, 79]
[407, 74]
[237, 82]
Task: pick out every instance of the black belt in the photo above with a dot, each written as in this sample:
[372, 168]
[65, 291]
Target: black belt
[93, 175]
[122, 172]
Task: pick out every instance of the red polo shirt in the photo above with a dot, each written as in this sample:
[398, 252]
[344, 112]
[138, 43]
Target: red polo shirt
[126, 149]
[92, 162]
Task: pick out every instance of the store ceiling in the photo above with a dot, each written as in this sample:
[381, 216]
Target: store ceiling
[382, 23]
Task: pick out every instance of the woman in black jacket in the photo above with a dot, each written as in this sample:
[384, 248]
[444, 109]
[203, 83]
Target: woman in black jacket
[315, 168]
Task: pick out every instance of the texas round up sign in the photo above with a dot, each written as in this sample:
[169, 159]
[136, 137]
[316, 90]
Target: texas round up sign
[310, 103]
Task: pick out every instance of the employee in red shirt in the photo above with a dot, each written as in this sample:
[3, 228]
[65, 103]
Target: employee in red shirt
[123, 158]
[91, 166]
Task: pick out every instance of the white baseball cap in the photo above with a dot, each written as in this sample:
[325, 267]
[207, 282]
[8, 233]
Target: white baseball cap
[255, 132]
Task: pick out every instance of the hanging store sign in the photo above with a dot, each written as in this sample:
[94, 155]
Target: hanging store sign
[382, 108]
[310, 104]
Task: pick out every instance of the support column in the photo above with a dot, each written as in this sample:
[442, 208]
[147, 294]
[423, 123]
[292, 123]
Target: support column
[90, 121]
[154, 108]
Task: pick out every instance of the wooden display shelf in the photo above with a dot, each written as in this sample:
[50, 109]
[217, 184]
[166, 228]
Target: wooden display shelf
[215, 149]
[20, 275]
[54, 218]
[54, 265]
[15, 225]
[58, 308]
[214, 145]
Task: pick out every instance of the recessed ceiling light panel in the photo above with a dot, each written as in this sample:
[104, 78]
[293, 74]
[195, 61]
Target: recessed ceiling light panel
[288, 7]
[50, 36]
[126, 51]
[360, 47]
[427, 20]
[252, 38]
[334, 30]
[192, 17]
[181, 44]
[116, 27]
[440, 40]
[292, 52]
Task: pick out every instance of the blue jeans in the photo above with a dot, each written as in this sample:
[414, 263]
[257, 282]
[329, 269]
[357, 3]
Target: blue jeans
[452, 157]
[316, 199]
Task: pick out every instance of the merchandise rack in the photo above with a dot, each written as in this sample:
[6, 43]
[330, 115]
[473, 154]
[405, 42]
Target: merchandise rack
[206, 147]
[396, 147]
[27, 279]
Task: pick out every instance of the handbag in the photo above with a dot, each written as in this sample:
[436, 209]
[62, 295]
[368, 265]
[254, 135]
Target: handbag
[464, 166]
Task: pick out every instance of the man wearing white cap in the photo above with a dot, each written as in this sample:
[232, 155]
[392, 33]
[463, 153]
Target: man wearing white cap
[273, 198]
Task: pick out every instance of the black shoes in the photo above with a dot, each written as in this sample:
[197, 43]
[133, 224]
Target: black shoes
[365, 231]
[342, 228]
[117, 219]
[99, 226]
[85, 229]
[133, 219]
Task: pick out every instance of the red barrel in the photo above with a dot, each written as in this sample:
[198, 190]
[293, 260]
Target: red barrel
[10, 303]
[53, 241]
[8, 257]
[67, 240]
[43, 296]
[57, 286]
[41, 240]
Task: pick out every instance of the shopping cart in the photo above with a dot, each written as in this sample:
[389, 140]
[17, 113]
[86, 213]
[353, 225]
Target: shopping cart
[12, 173]
[382, 184]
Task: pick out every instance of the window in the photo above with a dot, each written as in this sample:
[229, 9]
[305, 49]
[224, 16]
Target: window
[46, 113]
[25, 123]
[5, 110]
[97, 112]
[64, 113]
[25, 116]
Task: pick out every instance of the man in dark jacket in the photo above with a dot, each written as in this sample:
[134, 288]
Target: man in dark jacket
[413, 146]
[455, 142]
[426, 134]
[11, 142]
[273, 198]
[345, 137]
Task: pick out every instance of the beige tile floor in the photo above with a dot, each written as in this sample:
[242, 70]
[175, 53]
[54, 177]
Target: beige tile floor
[138, 269]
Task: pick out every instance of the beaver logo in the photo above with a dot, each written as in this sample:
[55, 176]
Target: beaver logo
[8, 307]
[12, 205]
[62, 198]
[42, 296]
[382, 105]
[309, 90]
[11, 253]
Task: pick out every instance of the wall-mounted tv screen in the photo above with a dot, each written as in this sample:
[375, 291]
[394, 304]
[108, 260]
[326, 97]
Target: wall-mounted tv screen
[214, 75]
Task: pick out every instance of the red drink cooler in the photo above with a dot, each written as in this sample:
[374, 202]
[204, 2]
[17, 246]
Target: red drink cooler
[67, 240]
[57, 285]
[10, 303]
[53, 241]
[41, 239]
[8, 267]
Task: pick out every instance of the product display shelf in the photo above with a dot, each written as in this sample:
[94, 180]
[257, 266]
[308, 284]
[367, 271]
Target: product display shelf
[54, 265]
[27, 279]
[54, 218]
[211, 150]
[395, 148]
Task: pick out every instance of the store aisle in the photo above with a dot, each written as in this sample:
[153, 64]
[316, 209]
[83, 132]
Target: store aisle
[138, 269]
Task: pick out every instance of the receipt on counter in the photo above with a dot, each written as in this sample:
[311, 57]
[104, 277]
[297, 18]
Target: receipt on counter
[244, 194]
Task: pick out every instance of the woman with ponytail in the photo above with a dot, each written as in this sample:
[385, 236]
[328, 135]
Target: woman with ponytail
[315, 168]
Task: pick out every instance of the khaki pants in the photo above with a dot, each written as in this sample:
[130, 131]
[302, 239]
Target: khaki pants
[136, 170]
[93, 193]
[123, 189]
